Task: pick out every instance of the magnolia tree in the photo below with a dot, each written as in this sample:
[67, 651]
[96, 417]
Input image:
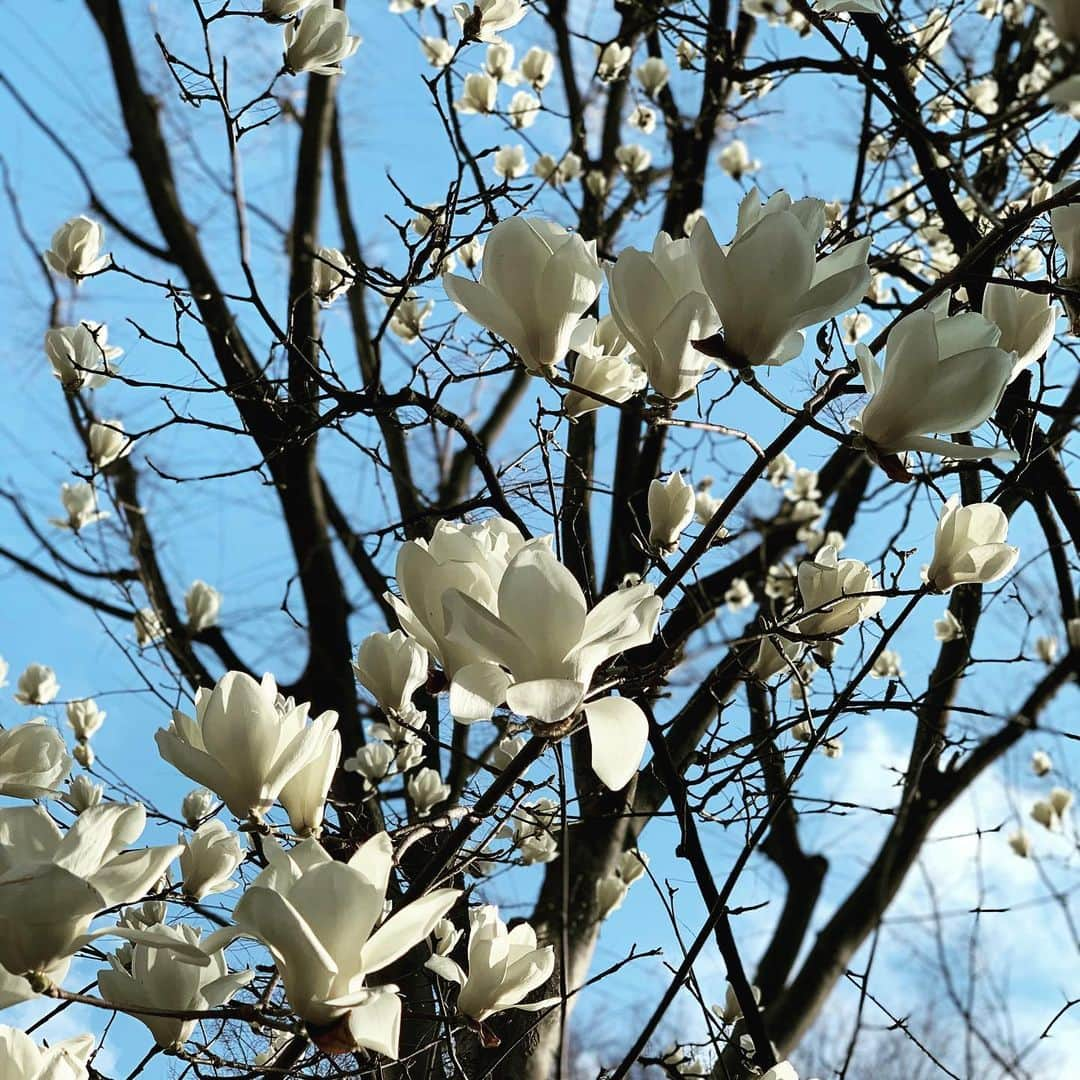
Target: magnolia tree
[504, 660]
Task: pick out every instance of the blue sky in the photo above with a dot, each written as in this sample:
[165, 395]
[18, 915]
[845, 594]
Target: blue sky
[226, 533]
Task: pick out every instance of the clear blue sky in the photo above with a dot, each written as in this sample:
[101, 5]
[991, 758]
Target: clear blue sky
[226, 532]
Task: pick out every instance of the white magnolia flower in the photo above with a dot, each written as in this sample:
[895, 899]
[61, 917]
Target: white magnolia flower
[197, 804]
[1043, 812]
[153, 977]
[611, 891]
[33, 760]
[658, 302]
[1065, 223]
[1061, 799]
[472, 558]
[612, 61]
[739, 595]
[84, 755]
[768, 285]
[643, 118]
[775, 656]
[671, 509]
[324, 924]
[653, 75]
[391, 667]
[320, 41]
[107, 442]
[37, 685]
[478, 94]
[537, 66]
[426, 790]
[1046, 648]
[510, 163]
[856, 326]
[149, 627]
[632, 865]
[484, 20]
[411, 313]
[24, 1060]
[303, 797]
[948, 627]
[780, 469]
[505, 751]
[240, 746]
[1020, 843]
[1027, 321]
[1041, 763]
[504, 966]
[558, 172]
[75, 250]
[52, 884]
[209, 860]
[437, 51]
[375, 762]
[597, 184]
[686, 52]
[401, 7]
[603, 366]
[332, 275]
[499, 63]
[836, 593]
[85, 718]
[523, 109]
[538, 651]
[633, 158]
[534, 831]
[943, 375]
[80, 502]
[82, 794]
[202, 602]
[969, 546]
[887, 665]
[736, 161]
[731, 1010]
[536, 282]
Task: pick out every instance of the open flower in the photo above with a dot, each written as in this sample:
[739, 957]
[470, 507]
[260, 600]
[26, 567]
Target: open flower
[33, 760]
[836, 593]
[602, 366]
[504, 966]
[209, 860]
[659, 303]
[536, 282]
[80, 502]
[52, 884]
[426, 790]
[969, 546]
[539, 647]
[1026, 320]
[24, 1060]
[155, 977]
[484, 20]
[768, 285]
[332, 275]
[323, 923]
[37, 685]
[107, 442]
[319, 41]
[391, 667]
[80, 355]
[943, 375]
[75, 250]
[240, 746]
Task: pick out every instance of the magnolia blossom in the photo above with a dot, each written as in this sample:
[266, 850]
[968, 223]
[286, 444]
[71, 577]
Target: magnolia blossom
[33, 760]
[1043, 812]
[671, 509]
[196, 805]
[1041, 763]
[484, 20]
[478, 93]
[499, 63]
[107, 442]
[511, 163]
[209, 860]
[539, 648]
[1046, 648]
[948, 627]
[504, 966]
[149, 627]
[612, 60]
[887, 665]
[836, 593]
[303, 797]
[969, 546]
[736, 161]
[472, 558]
[85, 718]
[83, 793]
[1061, 799]
[739, 595]
[241, 746]
[653, 75]
[75, 250]
[505, 750]
[1020, 843]
[80, 502]
[1026, 319]
[84, 755]
[426, 790]
[603, 366]
[437, 51]
[24, 1060]
[523, 109]
[633, 158]
[775, 656]
[943, 375]
[1065, 224]
[658, 302]
[37, 685]
[323, 922]
[536, 282]
[332, 275]
[374, 761]
[410, 315]
[391, 667]
[149, 976]
[319, 41]
[643, 118]
[768, 285]
[537, 66]
[202, 602]
[558, 172]
[52, 884]
[534, 832]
